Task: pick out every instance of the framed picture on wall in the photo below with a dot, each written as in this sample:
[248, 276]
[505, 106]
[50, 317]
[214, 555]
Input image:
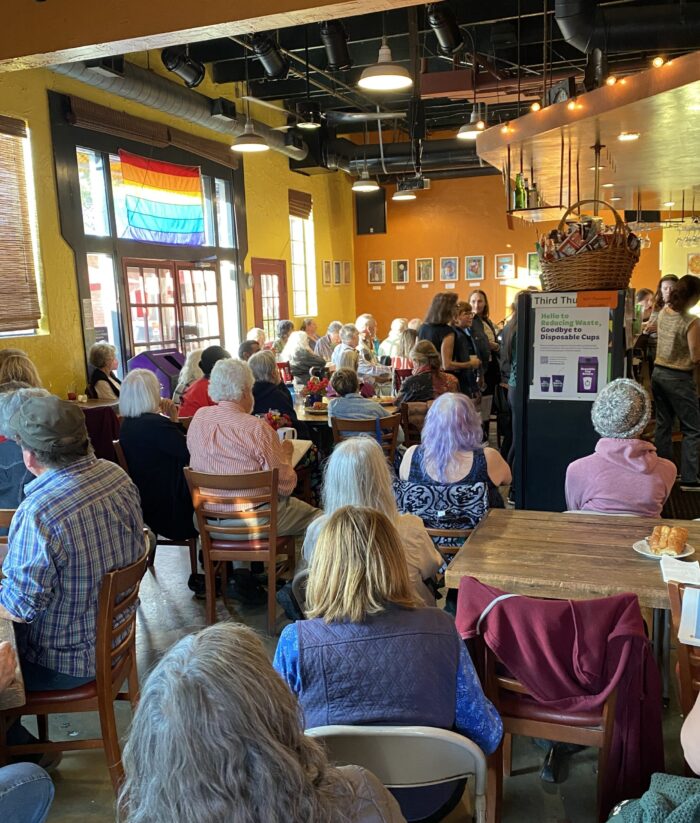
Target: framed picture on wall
[337, 272]
[533, 266]
[424, 269]
[449, 269]
[326, 273]
[399, 272]
[474, 267]
[346, 272]
[694, 264]
[376, 272]
[505, 266]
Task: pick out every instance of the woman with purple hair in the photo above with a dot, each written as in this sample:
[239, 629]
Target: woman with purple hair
[451, 480]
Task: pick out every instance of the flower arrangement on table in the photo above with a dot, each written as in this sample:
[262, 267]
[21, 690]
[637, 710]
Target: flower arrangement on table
[314, 390]
[277, 420]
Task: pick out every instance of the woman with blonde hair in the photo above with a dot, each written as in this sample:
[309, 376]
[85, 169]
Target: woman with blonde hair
[104, 383]
[216, 737]
[370, 654]
[188, 374]
[16, 367]
[357, 474]
[299, 354]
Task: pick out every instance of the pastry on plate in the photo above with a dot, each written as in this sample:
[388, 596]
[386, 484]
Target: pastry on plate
[668, 540]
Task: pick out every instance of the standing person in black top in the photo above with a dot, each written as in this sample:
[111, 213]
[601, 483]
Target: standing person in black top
[438, 329]
[484, 333]
[465, 351]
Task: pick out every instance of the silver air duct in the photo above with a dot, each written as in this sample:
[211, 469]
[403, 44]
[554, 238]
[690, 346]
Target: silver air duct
[149, 89]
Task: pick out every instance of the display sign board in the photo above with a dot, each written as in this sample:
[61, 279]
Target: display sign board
[570, 347]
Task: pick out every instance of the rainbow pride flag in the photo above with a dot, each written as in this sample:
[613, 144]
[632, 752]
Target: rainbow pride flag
[164, 202]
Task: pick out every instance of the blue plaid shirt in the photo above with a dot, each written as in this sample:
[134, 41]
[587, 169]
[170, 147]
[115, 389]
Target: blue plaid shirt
[74, 525]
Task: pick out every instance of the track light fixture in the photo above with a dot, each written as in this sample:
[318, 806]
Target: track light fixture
[441, 20]
[274, 63]
[335, 42]
[177, 60]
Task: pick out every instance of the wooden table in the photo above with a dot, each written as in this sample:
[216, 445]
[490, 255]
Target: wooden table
[572, 556]
[565, 556]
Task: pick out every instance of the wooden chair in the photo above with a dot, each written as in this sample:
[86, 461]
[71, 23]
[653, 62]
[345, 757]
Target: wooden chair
[258, 492]
[399, 376]
[412, 419]
[190, 542]
[388, 426]
[285, 372]
[688, 656]
[6, 516]
[450, 533]
[115, 665]
[523, 715]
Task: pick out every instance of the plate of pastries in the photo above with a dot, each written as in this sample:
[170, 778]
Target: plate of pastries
[665, 540]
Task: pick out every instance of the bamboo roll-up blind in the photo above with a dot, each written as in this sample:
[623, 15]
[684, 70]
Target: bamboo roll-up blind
[299, 204]
[19, 299]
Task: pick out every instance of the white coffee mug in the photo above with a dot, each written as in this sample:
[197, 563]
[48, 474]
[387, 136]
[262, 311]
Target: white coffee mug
[287, 433]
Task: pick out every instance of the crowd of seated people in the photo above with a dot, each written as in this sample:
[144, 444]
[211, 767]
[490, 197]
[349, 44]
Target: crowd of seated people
[373, 568]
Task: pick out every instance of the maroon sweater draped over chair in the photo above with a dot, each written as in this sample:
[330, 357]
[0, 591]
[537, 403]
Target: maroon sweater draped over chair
[570, 654]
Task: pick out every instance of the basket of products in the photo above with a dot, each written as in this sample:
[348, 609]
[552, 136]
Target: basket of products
[587, 254]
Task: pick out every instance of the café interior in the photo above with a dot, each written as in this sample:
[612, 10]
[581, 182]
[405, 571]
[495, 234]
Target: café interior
[519, 179]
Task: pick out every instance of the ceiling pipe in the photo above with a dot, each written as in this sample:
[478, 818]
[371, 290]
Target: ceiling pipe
[436, 156]
[585, 25]
[149, 89]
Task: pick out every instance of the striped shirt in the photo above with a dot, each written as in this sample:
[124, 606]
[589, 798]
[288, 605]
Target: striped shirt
[224, 439]
[74, 526]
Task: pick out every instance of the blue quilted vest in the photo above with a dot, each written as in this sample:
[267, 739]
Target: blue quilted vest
[396, 668]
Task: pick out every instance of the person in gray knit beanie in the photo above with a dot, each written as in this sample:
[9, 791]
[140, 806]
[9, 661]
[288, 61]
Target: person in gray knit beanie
[624, 475]
[621, 410]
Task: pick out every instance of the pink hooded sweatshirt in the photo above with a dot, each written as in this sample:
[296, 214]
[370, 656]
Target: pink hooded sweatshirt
[622, 476]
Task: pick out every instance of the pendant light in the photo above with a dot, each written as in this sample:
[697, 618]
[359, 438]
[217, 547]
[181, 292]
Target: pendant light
[385, 75]
[365, 183]
[471, 130]
[250, 142]
[403, 195]
[309, 112]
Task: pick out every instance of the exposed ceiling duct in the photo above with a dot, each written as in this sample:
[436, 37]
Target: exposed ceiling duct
[396, 159]
[156, 92]
[585, 25]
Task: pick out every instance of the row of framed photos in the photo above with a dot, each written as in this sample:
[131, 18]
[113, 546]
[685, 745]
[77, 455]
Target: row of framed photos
[336, 273]
[504, 265]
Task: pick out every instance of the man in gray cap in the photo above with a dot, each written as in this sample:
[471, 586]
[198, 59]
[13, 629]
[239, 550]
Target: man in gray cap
[80, 519]
[625, 474]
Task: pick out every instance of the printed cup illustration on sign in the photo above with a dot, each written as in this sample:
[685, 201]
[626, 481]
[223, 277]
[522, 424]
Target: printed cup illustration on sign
[588, 374]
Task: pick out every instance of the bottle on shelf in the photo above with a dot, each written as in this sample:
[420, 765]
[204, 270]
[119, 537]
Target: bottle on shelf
[533, 197]
[520, 195]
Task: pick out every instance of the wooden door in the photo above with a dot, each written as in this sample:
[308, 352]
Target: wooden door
[269, 294]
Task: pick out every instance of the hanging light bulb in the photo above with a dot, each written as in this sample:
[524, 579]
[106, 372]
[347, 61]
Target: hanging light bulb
[250, 141]
[536, 106]
[470, 130]
[365, 183]
[385, 75]
[403, 195]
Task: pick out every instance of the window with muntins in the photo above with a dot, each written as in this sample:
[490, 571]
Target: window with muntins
[304, 294]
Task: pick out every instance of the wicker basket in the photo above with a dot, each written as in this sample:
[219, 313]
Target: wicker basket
[608, 268]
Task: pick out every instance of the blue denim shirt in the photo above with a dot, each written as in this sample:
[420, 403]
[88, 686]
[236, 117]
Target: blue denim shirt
[13, 475]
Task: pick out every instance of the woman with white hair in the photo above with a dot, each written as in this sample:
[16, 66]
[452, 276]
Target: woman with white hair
[156, 453]
[257, 334]
[299, 354]
[388, 347]
[13, 473]
[188, 374]
[357, 474]
[103, 383]
[216, 736]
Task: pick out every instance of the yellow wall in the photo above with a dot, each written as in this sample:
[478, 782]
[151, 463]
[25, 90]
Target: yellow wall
[674, 257]
[58, 349]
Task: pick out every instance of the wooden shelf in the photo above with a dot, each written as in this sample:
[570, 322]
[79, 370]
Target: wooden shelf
[541, 215]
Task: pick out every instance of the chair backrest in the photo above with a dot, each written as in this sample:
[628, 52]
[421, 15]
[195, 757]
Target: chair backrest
[185, 422]
[116, 626]
[6, 516]
[688, 656]
[407, 756]
[399, 376]
[285, 372]
[412, 420]
[387, 426]
[255, 493]
[448, 538]
[121, 457]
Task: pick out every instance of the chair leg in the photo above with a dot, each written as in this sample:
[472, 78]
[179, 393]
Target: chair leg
[210, 588]
[134, 689]
[272, 595]
[42, 724]
[151, 557]
[192, 543]
[110, 739]
[494, 786]
[507, 754]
